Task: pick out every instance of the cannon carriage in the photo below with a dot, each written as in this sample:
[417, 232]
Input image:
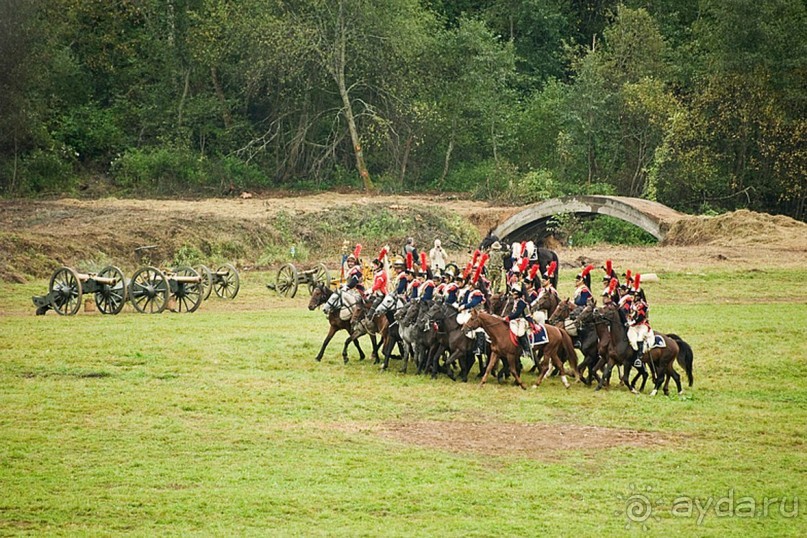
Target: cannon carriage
[289, 278]
[67, 287]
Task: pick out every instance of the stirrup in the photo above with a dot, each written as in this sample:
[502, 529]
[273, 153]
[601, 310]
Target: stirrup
[637, 363]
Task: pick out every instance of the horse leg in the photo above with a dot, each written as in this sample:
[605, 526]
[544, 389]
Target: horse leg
[387, 351]
[355, 340]
[559, 365]
[375, 343]
[606, 374]
[331, 332]
[659, 378]
[405, 350]
[511, 363]
[492, 361]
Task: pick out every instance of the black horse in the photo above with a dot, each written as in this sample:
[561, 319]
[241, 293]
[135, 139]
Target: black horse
[545, 256]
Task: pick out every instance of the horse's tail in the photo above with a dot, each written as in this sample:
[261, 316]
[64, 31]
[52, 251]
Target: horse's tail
[685, 356]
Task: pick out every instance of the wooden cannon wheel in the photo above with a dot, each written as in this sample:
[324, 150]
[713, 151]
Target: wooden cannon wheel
[110, 296]
[287, 280]
[226, 282]
[65, 291]
[149, 290]
[186, 289]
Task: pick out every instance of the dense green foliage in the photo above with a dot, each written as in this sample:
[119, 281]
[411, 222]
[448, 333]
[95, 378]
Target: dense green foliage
[221, 423]
[699, 104]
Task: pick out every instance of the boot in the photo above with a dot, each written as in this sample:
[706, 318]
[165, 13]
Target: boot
[524, 340]
[480, 344]
[637, 361]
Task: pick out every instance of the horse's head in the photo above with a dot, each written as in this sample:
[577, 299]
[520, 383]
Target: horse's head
[473, 323]
[319, 296]
[561, 312]
[436, 311]
[586, 315]
[607, 312]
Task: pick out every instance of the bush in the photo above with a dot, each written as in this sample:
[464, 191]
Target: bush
[587, 231]
[161, 170]
[44, 171]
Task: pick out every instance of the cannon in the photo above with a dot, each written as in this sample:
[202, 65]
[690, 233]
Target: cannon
[152, 290]
[289, 278]
[68, 286]
[224, 281]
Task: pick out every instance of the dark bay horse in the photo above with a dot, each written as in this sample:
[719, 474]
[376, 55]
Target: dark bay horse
[459, 345]
[320, 296]
[660, 360]
[502, 346]
[580, 321]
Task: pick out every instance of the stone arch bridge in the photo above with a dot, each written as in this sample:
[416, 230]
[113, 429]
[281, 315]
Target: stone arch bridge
[531, 222]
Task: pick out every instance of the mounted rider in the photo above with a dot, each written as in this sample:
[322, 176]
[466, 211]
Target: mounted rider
[520, 320]
[378, 292]
[546, 287]
[611, 294]
[427, 287]
[640, 334]
[475, 300]
[354, 277]
[582, 291]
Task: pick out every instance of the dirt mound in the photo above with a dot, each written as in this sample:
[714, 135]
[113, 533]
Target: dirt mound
[534, 441]
[739, 228]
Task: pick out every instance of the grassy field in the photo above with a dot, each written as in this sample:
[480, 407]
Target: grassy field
[220, 422]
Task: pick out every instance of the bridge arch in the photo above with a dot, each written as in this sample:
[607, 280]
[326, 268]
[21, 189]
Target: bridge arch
[531, 222]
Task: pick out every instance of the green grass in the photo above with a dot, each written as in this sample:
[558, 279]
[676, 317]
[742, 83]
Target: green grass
[220, 422]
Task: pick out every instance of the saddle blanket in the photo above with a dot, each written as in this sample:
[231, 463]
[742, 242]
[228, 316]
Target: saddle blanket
[658, 341]
[538, 336]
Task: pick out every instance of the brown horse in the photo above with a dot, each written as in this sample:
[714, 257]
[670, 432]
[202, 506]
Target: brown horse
[502, 346]
[320, 296]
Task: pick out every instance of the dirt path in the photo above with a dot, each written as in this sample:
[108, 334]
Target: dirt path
[37, 235]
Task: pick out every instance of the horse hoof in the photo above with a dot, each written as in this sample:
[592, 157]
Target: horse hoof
[634, 391]
[680, 393]
[318, 359]
[653, 393]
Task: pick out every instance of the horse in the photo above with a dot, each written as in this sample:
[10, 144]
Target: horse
[412, 329]
[660, 359]
[372, 320]
[580, 323]
[547, 302]
[503, 346]
[460, 346]
[323, 295]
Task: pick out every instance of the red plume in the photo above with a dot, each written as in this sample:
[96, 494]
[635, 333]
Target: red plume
[467, 270]
[423, 264]
[586, 270]
[523, 248]
[628, 275]
[478, 271]
[357, 251]
[522, 265]
[636, 281]
[382, 253]
[484, 259]
[534, 271]
[608, 267]
[475, 258]
[612, 286]
[550, 271]
[409, 260]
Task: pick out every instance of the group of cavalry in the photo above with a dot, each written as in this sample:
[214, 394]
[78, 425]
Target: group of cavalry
[502, 311]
